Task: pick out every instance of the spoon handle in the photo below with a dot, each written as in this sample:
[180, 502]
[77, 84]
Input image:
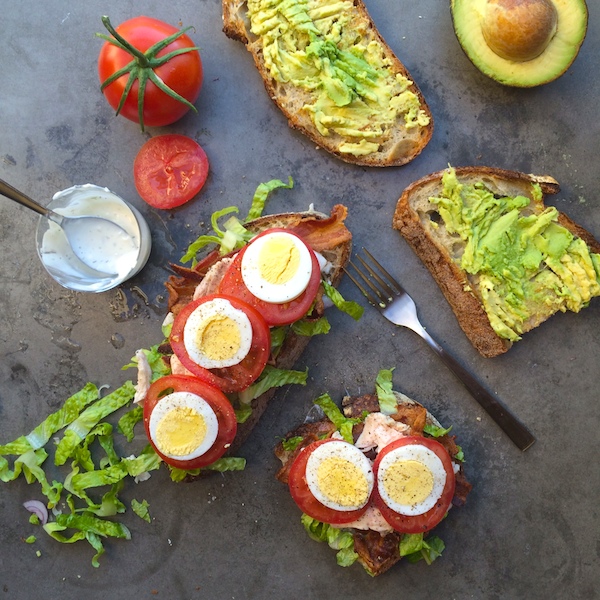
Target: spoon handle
[12, 193]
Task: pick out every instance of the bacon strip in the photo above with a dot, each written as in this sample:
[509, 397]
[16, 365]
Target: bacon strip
[324, 234]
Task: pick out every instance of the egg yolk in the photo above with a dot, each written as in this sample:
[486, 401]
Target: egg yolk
[278, 260]
[180, 431]
[342, 482]
[408, 482]
[219, 338]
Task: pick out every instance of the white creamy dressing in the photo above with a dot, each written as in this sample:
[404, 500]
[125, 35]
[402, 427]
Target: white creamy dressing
[117, 247]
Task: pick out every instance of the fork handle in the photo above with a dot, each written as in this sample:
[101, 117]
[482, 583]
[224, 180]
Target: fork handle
[509, 423]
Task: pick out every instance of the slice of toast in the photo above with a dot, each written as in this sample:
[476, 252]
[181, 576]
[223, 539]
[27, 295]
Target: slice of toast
[349, 92]
[441, 248]
[327, 235]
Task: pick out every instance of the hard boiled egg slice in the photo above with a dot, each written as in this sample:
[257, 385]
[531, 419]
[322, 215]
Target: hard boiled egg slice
[276, 267]
[340, 476]
[411, 479]
[217, 335]
[183, 426]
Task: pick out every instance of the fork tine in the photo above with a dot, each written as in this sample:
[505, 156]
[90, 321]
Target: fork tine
[376, 300]
[392, 282]
[386, 289]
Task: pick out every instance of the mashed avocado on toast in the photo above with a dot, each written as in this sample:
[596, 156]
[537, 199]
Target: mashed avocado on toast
[525, 264]
[318, 46]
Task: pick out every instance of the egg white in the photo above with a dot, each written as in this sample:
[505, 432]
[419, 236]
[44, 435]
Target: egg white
[345, 451]
[185, 400]
[217, 307]
[273, 292]
[426, 457]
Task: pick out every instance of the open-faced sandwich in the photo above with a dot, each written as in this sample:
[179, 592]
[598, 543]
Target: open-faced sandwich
[504, 261]
[328, 69]
[238, 321]
[374, 480]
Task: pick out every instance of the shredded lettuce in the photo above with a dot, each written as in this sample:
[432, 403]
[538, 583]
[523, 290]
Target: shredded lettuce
[385, 395]
[81, 426]
[270, 378]
[342, 423]
[310, 327]
[129, 420]
[337, 539]
[234, 235]
[436, 431]
[227, 463]
[86, 527]
[141, 509]
[350, 307]
[155, 359]
[292, 443]
[414, 547]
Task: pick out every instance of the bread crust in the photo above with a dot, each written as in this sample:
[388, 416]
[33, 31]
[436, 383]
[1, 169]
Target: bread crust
[399, 146]
[411, 220]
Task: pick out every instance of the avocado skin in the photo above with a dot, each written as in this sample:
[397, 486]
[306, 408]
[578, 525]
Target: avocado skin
[548, 66]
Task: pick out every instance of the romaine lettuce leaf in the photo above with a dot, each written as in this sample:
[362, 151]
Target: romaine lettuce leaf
[415, 547]
[271, 377]
[350, 307]
[337, 539]
[383, 387]
[79, 429]
[342, 423]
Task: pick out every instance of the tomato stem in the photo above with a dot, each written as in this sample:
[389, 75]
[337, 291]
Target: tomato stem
[141, 68]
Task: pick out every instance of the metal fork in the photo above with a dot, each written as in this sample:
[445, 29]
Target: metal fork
[386, 294]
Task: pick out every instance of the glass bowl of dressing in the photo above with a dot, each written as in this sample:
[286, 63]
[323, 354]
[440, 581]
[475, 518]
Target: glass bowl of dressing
[109, 260]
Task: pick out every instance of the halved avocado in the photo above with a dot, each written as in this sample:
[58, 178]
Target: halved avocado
[520, 43]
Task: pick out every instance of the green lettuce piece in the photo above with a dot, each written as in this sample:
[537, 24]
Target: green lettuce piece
[271, 377]
[141, 509]
[242, 413]
[292, 443]
[261, 194]
[129, 420]
[436, 431]
[228, 463]
[234, 235]
[337, 539]
[385, 395]
[30, 540]
[310, 327]
[415, 547]
[349, 307]
[79, 429]
[40, 436]
[342, 423]
[158, 366]
[87, 527]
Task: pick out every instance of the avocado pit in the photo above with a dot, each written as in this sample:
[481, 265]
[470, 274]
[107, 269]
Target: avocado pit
[519, 30]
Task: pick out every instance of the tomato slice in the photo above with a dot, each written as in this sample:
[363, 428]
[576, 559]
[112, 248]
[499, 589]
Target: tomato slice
[274, 314]
[169, 170]
[228, 379]
[217, 401]
[305, 499]
[428, 520]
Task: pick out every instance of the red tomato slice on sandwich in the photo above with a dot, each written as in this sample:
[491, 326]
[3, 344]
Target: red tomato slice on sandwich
[189, 423]
[347, 472]
[169, 170]
[221, 340]
[248, 268]
[414, 483]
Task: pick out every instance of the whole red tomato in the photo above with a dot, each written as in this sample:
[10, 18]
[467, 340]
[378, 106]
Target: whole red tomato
[149, 58]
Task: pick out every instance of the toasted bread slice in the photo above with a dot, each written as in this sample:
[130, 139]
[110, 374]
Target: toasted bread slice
[374, 115]
[417, 217]
[328, 236]
[377, 549]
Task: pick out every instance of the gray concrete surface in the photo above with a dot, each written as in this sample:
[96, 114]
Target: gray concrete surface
[530, 527]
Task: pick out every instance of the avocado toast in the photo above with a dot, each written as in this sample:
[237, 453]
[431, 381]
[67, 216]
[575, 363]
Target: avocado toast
[504, 261]
[328, 69]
